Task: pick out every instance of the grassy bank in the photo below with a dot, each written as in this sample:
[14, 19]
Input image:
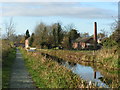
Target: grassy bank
[8, 56]
[72, 56]
[110, 78]
[47, 73]
[107, 58]
[107, 61]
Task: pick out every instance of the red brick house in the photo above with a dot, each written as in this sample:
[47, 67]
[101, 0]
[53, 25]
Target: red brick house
[82, 43]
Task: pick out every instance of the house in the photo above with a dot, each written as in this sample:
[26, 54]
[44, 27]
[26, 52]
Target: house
[88, 42]
[82, 43]
[85, 43]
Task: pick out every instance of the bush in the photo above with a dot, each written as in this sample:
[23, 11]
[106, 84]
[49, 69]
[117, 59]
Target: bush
[113, 40]
[109, 43]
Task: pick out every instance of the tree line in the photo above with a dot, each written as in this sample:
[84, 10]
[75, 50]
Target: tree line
[55, 36]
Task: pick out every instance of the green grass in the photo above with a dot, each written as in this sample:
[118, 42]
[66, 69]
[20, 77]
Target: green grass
[107, 58]
[106, 61]
[69, 55]
[47, 73]
[7, 63]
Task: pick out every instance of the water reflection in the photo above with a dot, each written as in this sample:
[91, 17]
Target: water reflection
[87, 73]
[72, 64]
[94, 74]
[90, 73]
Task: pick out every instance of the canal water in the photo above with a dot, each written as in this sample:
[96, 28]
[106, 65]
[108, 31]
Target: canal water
[88, 73]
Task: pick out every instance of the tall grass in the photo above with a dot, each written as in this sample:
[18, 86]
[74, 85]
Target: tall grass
[72, 56]
[107, 58]
[8, 56]
[47, 73]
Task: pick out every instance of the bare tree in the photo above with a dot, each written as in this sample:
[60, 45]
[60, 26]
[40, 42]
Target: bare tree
[10, 29]
[85, 34]
[104, 32]
[69, 27]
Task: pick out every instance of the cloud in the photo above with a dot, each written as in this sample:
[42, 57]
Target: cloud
[55, 9]
[59, 0]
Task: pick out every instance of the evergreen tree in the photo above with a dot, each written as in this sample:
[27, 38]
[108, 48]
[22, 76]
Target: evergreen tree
[59, 34]
[54, 36]
[27, 34]
[32, 39]
[73, 35]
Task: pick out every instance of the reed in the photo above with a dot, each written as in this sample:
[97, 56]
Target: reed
[109, 57]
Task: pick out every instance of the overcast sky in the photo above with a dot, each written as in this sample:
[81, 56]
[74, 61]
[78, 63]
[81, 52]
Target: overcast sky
[82, 14]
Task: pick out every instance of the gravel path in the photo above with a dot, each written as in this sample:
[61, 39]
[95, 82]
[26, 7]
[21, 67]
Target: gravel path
[20, 77]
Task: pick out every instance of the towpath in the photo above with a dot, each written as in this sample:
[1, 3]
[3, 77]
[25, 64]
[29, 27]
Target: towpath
[20, 77]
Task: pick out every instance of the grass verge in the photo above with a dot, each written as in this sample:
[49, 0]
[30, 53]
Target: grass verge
[7, 63]
[47, 73]
[107, 58]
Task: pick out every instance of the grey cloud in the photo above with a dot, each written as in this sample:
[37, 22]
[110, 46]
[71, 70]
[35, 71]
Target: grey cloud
[55, 9]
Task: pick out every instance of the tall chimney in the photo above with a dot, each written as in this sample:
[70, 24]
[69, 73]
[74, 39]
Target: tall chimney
[119, 15]
[95, 35]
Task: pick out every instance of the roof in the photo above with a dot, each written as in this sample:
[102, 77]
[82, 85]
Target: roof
[85, 40]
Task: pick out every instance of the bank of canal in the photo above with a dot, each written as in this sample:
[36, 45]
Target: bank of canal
[89, 71]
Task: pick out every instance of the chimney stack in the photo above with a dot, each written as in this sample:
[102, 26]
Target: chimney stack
[119, 15]
[95, 35]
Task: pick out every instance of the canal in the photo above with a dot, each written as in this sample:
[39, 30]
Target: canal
[90, 72]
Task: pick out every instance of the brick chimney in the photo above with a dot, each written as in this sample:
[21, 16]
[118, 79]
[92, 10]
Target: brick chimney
[119, 15]
[95, 35]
